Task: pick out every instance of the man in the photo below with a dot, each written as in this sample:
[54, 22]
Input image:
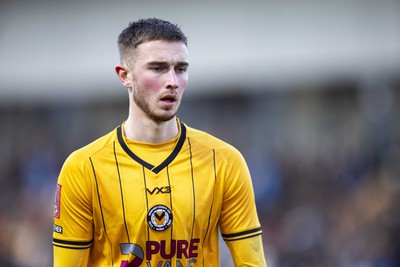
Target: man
[154, 191]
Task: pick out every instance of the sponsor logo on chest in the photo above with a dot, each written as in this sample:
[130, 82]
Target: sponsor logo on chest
[185, 252]
[159, 190]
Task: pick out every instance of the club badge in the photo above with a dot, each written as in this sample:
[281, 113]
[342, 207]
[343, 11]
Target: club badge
[159, 218]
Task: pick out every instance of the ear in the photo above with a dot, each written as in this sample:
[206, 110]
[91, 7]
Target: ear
[123, 75]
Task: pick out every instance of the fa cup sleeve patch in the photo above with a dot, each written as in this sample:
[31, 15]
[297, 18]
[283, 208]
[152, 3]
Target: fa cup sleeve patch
[57, 202]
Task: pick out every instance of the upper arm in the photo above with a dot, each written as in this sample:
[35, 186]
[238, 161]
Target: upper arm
[238, 216]
[239, 224]
[73, 216]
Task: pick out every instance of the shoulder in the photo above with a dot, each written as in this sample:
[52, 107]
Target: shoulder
[205, 140]
[81, 156]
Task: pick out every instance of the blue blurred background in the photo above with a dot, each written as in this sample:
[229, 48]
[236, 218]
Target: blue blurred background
[308, 91]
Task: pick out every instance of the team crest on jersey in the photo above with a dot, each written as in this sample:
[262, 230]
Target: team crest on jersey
[159, 218]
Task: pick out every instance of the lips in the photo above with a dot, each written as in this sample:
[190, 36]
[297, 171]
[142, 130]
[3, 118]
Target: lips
[169, 98]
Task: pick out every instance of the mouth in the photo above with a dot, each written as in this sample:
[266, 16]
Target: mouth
[169, 98]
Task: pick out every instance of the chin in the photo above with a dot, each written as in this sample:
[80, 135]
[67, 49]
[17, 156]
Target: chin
[162, 117]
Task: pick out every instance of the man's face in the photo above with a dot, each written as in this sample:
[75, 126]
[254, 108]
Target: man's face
[159, 77]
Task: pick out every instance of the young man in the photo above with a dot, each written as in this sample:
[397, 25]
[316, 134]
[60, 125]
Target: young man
[154, 192]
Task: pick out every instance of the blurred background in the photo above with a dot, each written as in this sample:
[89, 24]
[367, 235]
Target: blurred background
[308, 91]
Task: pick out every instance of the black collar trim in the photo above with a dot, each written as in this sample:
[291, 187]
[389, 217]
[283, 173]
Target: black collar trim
[166, 162]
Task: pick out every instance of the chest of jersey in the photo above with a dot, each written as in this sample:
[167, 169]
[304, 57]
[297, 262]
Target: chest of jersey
[161, 216]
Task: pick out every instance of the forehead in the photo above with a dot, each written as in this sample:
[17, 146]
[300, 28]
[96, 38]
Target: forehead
[162, 51]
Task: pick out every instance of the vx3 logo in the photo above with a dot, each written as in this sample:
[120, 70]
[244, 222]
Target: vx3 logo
[158, 190]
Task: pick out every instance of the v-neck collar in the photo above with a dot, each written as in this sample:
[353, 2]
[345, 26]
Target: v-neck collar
[166, 162]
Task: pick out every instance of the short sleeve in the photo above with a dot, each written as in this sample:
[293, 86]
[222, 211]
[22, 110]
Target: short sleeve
[239, 217]
[73, 216]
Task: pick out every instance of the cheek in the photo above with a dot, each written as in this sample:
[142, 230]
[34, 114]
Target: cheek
[182, 84]
[150, 84]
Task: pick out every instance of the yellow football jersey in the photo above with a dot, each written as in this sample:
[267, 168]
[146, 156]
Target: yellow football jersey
[137, 204]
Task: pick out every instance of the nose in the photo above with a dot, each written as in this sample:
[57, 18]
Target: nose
[172, 80]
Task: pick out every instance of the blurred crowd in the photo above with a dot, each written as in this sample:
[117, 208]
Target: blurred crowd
[325, 164]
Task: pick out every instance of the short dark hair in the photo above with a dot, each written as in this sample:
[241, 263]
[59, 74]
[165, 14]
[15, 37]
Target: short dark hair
[144, 30]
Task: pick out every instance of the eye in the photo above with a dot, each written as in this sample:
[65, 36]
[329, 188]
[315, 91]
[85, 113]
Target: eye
[181, 69]
[157, 68]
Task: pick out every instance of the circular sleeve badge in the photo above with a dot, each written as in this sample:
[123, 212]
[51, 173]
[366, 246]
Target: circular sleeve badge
[159, 218]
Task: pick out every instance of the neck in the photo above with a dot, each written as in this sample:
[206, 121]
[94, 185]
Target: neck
[149, 131]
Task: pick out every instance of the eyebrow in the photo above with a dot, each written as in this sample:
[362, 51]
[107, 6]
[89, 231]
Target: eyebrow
[164, 63]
